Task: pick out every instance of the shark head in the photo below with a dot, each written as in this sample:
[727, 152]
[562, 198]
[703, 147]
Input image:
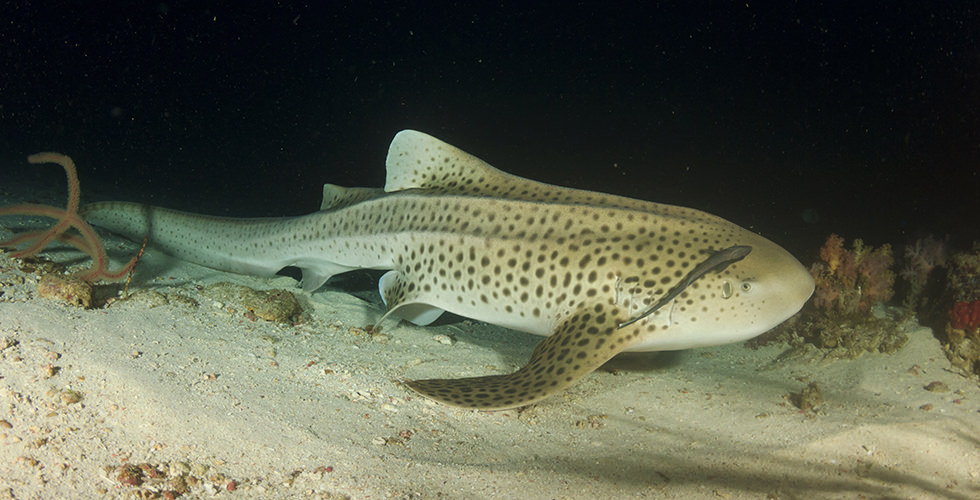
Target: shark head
[745, 299]
[666, 259]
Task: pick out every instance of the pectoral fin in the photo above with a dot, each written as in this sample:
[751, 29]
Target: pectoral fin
[580, 344]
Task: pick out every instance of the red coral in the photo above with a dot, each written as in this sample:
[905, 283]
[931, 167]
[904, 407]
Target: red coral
[965, 315]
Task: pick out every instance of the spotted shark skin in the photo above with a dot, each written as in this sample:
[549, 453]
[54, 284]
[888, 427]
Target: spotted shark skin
[456, 234]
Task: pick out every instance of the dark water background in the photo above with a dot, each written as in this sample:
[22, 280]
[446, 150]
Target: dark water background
[859, 118]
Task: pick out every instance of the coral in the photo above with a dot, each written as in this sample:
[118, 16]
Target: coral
[965, 315]
[922, 257]
[923, 287]
[86, 240]
[839, 323]
[962, 343]
[964, 276]
[963, 349]
[817, 337]
[852, 281]
[876, 278]
[962, 339]
[832, 251]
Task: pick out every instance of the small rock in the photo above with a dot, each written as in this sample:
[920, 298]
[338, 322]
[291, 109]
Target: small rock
[72, 291]
[70, 397]
[810, 398]
[130, 475]
[937, 387]
[278, 306]
[148, 298]
[179, 484]
[177, 299]
[444, 339]
[178, 468]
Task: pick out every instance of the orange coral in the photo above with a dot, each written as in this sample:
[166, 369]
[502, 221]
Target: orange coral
[832, 250]
[86, 240]
[849, 281]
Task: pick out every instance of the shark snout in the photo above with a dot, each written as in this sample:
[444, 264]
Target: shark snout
[787, 285]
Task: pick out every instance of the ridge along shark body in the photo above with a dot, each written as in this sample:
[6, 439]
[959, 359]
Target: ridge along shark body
[597, 274]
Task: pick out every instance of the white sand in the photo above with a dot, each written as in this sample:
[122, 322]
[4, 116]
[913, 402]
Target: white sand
[272, 407]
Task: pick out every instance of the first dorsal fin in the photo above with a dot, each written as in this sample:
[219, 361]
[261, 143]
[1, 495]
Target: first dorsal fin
[420, 161]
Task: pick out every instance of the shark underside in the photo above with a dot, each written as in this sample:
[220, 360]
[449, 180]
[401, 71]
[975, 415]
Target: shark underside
[596, 274]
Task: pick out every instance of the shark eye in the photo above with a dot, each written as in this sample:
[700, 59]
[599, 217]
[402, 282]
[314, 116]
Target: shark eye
[727, 290]
[746, 286]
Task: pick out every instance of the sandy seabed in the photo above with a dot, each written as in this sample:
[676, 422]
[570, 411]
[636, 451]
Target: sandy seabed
[189, 397]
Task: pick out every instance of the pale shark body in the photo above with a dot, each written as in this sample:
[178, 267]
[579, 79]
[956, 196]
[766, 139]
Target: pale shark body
[586, 269]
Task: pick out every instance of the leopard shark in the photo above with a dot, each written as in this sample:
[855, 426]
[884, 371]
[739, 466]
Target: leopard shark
[595, 274]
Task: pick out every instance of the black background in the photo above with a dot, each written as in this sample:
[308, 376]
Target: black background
[795, 119]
